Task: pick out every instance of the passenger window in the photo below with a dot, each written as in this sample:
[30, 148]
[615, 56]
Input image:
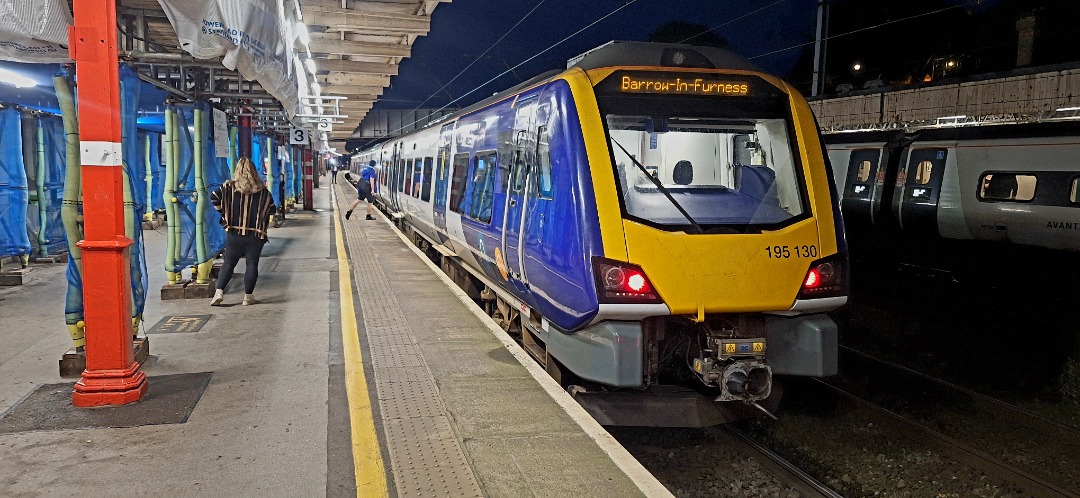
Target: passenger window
[408, 183]
[1010, 187]
[457, 186]
[485, 167]
[440, 180]
[428, 180]
[417, 171]
[542, 172]
[923, 172]
[864, 171]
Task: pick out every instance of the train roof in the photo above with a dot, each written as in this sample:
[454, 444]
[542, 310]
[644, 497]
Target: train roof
[632, 53]
[622, 53]
[936, 134]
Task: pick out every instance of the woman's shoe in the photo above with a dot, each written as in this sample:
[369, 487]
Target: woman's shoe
[219, 295]
[249, 299]
[369, 217]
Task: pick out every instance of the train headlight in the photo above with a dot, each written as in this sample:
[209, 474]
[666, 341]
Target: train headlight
[825, 278]
[621, 282]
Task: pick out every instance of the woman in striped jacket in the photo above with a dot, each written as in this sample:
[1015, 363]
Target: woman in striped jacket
[245, 206]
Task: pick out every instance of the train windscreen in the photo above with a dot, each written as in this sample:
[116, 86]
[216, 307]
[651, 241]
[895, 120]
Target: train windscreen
[714, 160]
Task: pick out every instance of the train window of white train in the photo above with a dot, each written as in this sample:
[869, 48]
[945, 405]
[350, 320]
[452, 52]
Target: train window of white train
[457, 186]
[864, 171]
[923, 172]
[1008, 187]
[416, 177]
[428, 180]
[408, 181]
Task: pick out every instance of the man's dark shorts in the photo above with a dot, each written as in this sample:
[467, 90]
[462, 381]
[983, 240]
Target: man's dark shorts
[364, 194]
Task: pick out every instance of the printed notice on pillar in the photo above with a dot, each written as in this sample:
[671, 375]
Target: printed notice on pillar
[221, 134]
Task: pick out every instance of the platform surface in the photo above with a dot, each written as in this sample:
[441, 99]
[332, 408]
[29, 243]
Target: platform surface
[457, 410]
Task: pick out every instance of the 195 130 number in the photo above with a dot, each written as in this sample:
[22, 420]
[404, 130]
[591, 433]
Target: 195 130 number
[786, 252]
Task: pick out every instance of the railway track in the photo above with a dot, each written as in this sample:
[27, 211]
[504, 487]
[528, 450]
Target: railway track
[1006, 443]
[786, 472]
[991, 466]
[983, 403]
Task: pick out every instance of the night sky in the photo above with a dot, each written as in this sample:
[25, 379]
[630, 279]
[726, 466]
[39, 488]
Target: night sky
[462, 30]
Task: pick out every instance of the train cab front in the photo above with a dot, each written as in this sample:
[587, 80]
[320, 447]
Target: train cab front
[728, 219]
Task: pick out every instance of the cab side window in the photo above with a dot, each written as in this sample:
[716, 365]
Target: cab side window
[542, 171]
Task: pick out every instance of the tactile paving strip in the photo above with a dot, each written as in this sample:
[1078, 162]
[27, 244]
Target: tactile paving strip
[426, 458]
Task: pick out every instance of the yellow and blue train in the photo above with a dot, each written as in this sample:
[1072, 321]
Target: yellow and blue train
[654, 217]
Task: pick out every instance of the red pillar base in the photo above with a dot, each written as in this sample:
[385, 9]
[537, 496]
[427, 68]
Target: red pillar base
[109, 387]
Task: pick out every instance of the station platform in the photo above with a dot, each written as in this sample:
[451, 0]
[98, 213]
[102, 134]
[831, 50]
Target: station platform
[362, 372]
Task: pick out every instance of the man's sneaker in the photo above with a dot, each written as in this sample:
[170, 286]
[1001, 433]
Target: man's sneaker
[249, 299]
[219, 295]
[348, 214]
[369, 217]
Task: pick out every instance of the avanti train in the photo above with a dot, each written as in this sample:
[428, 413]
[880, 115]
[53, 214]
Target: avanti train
[651, 218]
[991, 202]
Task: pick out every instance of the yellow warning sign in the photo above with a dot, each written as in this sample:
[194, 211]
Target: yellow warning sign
[759, 347]
[729, 348]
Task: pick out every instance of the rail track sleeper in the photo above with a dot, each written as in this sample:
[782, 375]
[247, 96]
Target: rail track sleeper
[990, 405]
[956, 450]
[777, 465]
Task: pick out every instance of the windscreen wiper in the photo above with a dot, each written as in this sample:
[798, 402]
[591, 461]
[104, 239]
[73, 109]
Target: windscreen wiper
[661, 188]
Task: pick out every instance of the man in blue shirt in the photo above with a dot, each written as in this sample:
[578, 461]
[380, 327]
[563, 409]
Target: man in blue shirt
[364, 188]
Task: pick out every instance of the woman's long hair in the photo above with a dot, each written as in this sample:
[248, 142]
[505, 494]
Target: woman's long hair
[245, 178]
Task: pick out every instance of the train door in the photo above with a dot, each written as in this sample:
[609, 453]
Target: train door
[865, 175]
[442, 176]
[918, 186]
[516, 187]
[393, 185]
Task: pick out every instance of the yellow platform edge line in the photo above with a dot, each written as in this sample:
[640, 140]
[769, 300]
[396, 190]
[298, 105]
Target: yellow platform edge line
[367, 456]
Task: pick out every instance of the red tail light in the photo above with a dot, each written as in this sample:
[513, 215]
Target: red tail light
[825, 278]
[619, 282]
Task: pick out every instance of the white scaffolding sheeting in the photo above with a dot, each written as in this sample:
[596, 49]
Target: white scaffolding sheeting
[254, 38]
[34, 30]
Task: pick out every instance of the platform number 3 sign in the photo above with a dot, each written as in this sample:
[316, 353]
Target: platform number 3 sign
[298, 136]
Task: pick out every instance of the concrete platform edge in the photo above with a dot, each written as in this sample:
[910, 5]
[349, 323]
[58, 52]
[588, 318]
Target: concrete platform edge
[642, 478]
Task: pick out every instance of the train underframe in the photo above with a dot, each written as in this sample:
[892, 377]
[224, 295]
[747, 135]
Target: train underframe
[670, 371]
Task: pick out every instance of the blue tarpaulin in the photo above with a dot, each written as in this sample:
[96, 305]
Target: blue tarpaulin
[216, 172]
[55, 147]
[157, 167]
[13, 186]
[130, 87]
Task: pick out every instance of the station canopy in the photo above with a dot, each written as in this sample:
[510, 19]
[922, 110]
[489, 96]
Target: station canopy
[320, 64]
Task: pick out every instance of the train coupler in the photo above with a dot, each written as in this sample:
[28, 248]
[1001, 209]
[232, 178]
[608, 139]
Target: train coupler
[737, 367]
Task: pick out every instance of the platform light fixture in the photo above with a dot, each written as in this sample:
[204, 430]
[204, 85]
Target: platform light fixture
[856, 67]
[15, 79]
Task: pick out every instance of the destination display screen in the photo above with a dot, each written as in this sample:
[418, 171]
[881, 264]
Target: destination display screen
[667, 84]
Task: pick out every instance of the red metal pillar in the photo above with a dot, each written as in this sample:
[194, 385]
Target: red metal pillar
[245, 136]
[309, 177]
[112, 375]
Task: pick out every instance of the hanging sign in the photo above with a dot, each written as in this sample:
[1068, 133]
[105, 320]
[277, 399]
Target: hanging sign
[298, 136]
[221, 134]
